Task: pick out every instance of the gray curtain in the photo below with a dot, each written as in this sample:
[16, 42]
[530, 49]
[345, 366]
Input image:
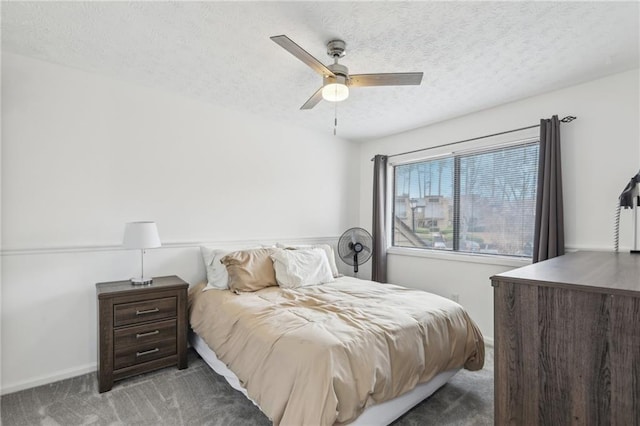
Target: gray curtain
[379, 257]
[548, 239]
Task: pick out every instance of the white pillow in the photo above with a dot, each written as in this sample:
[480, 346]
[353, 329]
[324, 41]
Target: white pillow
[327, 249]
[301, 268]
[217, 276]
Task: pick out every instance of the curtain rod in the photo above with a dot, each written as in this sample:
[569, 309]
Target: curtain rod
[567, 119]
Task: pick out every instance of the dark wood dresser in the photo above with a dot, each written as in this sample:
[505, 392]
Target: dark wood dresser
[567, 341]
[140, 328]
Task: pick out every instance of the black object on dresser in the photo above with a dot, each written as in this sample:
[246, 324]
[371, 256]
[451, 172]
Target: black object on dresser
[567, 341]
[140, 328]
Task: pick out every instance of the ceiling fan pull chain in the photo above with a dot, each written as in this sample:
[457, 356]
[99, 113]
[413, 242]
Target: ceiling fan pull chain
[335, 117]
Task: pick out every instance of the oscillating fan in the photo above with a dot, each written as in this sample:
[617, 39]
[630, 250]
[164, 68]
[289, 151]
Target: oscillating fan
[354, 247]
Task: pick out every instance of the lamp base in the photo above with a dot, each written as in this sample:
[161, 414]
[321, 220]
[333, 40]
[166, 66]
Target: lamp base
[141, 281]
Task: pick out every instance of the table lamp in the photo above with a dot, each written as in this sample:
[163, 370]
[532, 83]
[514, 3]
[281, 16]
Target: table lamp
[141, 235]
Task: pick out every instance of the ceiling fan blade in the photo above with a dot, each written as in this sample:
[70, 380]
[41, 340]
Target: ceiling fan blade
[313, 100]
[287, 44]
[390, 79]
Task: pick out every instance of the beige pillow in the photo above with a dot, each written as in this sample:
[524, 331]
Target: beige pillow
[250, 270]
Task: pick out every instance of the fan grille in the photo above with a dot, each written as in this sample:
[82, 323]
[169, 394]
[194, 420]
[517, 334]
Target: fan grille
[348, 246]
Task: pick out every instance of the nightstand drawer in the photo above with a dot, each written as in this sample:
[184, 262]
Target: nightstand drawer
[147, 310]
[132, 355]
[142, 334]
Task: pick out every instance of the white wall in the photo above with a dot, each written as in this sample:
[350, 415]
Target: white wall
[0, 242]
[600, 152]
[83, 154]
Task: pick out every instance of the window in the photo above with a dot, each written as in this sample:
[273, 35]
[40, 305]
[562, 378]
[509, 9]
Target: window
[478, 202]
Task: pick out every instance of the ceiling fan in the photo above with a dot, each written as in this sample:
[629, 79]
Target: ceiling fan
[335, 77]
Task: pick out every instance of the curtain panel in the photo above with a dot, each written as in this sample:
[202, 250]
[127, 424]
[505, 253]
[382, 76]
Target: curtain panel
[379, 257]
[548, 239]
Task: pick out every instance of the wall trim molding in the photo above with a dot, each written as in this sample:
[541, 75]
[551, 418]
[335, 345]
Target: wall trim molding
[91, 368]
[26, 251]
[571, 248]
[50, 378]
[488, 259]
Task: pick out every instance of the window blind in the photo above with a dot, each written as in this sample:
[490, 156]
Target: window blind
[478, 202]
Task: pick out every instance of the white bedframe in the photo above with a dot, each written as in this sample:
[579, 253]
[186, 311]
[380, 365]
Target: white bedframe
[380, 414]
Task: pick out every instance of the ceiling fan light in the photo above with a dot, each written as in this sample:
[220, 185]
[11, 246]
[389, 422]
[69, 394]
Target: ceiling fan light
[335, 92]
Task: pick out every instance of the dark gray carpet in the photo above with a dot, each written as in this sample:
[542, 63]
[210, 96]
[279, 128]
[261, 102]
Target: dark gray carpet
[198, 396]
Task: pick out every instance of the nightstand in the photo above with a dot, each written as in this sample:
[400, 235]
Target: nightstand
[140, 328]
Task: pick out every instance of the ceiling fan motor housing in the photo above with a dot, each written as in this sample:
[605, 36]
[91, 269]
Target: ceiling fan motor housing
[339, 69]
[341, 72]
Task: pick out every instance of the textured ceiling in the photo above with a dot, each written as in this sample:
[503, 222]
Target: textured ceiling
[475, 55]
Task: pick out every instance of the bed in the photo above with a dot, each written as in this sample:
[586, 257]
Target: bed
[348, 351]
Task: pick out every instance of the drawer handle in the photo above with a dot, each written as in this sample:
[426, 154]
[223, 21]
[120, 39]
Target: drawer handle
[149, 352]
[150, 333]
[148, 311]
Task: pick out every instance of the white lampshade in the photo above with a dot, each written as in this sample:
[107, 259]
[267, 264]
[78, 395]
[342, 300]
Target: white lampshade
[141, 235]
[335, 92]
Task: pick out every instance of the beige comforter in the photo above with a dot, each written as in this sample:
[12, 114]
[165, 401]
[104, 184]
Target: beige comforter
[320, 355]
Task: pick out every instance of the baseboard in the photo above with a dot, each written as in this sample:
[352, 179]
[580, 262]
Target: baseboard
[87, 368]
[51, 378]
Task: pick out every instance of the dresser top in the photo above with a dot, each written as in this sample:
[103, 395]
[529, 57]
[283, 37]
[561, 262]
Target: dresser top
[125, 287]
[601, 272]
